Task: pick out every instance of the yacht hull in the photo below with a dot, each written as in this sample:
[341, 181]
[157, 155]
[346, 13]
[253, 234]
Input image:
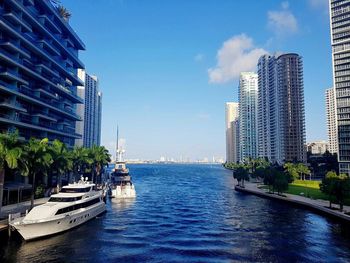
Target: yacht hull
[36, 230]
[122, 192]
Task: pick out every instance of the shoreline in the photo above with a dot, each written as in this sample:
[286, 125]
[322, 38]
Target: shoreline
[307, 203]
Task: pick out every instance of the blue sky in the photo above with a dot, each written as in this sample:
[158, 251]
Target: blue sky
[166, 68]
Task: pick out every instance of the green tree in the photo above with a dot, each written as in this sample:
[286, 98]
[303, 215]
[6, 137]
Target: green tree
[280, 182]
[241, 174]
[63, 12]
[292, 170]
[327, 185]
[303, 170]
[37, 160]
[10, 153]
[337, 187]
[269, 179]
[80, 161]
[261, 169]
[99, 157]
[61, 160]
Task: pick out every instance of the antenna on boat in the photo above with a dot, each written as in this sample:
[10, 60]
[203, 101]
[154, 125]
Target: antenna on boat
[116, 150]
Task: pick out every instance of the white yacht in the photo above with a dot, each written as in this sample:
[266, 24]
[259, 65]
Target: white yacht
[74, 205]
[120, 185]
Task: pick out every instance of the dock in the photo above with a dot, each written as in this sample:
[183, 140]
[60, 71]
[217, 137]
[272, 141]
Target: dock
[315, 205]
[16, 208]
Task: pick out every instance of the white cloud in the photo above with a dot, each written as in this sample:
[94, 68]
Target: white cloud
[236, 55]
[199, 57]
[285, 5]
[319, 3]
[282, 22]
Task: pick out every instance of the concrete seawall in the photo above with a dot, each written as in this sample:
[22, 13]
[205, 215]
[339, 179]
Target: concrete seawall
[299, 201]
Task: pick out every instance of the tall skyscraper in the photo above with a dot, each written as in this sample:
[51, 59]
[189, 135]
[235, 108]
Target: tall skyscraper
[281, 116]
[248, 106]
[232, 132]
[38, 76]
[90, 111]
[99, 117]
[340, 39]
[268, 133]
[331, 121]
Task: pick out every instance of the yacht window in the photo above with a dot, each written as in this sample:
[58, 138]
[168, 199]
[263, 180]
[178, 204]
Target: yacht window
[64, 199]
[77, 206]
[75, 190]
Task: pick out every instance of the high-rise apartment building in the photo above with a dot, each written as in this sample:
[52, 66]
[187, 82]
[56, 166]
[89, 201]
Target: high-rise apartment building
[248, 106]
[281, 116]
[232, 132]
[99, 118]
[90, 110]
[331, 121]
[38, 71]
[317, 147]
[340, 39]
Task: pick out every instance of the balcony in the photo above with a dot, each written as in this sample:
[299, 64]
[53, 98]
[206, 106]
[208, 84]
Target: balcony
[47, 94]
[48, 33]
[29, 42]
[27, 95]
[12, 77]
[65, 25]
[47, 22]
[16, 21]
[43, 115]
[12, 105]
[44, 44]
[63, 90]
[43, 67]
[12, 47]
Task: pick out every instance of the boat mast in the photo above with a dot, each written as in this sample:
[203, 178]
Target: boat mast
[117, 149]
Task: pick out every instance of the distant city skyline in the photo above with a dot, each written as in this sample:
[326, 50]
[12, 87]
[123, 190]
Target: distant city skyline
[166, 77]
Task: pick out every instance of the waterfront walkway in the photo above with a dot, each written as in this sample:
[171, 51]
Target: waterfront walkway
[320, 206]
[17, 208]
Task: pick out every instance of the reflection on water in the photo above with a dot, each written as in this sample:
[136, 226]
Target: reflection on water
[191, 213]
[122, 204]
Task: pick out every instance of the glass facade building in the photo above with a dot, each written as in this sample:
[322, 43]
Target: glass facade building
[340, 39]
[281, 116]
[90, 111]
[248, 107]
[38, 71]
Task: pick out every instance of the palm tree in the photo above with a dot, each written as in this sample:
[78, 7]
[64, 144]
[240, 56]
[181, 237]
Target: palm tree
[61, 160]
[10, 153]
[63, 12]
[303, 170]
[81, 160]
[241, 174]
[292, 170]
[100, 157]
[37, 159]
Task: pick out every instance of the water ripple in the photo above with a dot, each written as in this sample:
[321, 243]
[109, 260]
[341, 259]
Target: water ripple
[191, 213]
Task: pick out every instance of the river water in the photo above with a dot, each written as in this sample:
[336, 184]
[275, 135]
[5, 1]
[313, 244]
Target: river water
[190, 213]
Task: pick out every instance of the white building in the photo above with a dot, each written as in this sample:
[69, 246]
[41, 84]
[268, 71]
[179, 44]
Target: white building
[281, 117]
[248, 106]
[232, 132]
[331, 121]
[340, 40]
[90, 111]
[317, 147]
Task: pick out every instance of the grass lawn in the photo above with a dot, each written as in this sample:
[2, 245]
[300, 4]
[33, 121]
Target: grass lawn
[307, 183]
[311, 192]
[309, 189]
